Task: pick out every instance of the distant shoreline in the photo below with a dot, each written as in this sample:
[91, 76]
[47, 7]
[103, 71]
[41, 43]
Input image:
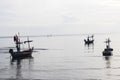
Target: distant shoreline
[55, 35]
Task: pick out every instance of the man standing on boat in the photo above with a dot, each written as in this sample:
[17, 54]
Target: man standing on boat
[16, 40]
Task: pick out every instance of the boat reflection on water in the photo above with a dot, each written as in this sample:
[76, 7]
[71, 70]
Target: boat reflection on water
[107, 59]
[18, 66]
[108, 67]
[90, 46]
[18, 70]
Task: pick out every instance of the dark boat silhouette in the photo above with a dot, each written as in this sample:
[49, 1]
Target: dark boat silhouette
[89, 40]
[20, 54]
[107, 51]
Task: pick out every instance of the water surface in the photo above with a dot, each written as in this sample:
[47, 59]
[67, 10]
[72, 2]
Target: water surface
[62, 58]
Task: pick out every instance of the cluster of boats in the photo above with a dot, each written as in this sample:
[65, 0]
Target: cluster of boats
[20, 54]
[107, 51]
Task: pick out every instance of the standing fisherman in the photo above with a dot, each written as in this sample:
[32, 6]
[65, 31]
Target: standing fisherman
[16, 40]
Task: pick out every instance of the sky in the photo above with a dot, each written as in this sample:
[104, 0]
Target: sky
[39, 17]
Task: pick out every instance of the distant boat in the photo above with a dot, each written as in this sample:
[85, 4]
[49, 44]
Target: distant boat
[107, 51]
[89, 40]
[19, 54]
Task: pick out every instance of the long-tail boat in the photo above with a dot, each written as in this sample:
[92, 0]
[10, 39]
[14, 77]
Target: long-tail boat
[107, 51]
[89, 40]
[19, 54]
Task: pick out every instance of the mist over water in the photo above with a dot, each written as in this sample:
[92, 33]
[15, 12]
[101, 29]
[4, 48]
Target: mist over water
[62, 58]
[56, 17]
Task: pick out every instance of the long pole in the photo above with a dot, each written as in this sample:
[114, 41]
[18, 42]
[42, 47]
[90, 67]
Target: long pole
[28, 42]
[19, 41]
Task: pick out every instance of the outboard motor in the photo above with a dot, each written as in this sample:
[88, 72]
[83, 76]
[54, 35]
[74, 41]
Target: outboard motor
[11, 52]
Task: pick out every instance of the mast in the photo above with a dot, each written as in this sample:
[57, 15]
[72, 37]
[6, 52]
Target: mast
[19, 41]
[28, 41]
[107, 43]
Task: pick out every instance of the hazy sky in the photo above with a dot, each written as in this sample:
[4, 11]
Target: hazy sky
[59, 16]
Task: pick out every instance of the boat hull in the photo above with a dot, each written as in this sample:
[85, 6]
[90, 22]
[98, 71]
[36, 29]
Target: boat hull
[89, 42]
[22, 54]
[107, 53]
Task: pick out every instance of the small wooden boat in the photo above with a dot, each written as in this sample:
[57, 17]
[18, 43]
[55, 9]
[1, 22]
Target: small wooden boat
[89, 40]
[19, 54]
[107, 51]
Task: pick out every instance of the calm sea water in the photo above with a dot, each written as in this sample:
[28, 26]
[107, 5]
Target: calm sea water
[62, 58]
